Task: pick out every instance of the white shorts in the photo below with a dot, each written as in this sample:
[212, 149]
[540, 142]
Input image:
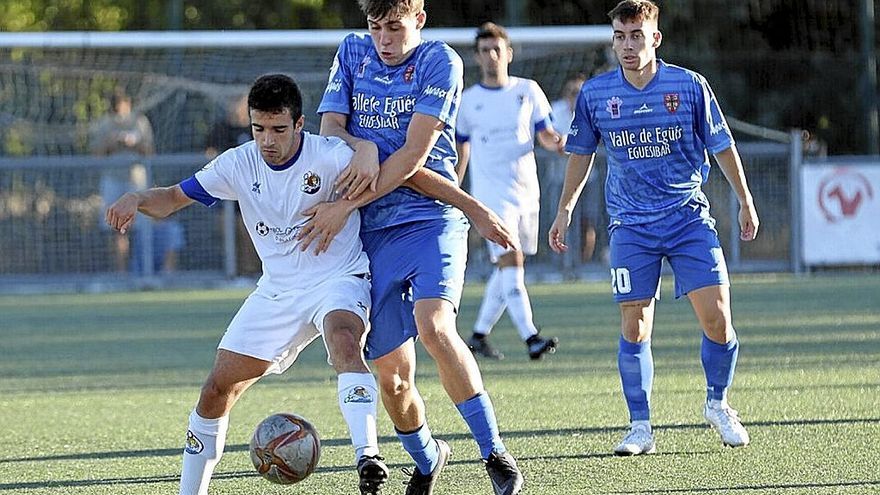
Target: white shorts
[278, 328]
[523, 225]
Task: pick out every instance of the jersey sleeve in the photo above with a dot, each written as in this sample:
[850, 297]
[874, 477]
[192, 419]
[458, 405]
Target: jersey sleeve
[213, 182]
[340, 152]
[711, 126]
[540, 108]
[583, 137]
[337, 94]
[440, 86]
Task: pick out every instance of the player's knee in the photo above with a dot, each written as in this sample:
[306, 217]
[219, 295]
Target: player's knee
[215, 393]
[717, 327]
[395, 386]
[344, 345]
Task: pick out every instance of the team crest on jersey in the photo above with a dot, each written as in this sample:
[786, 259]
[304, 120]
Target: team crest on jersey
[194, 446]
[408, 73]
[362, 68]
[358, 395]
[311, 183]
[672, 101]
[613, 105]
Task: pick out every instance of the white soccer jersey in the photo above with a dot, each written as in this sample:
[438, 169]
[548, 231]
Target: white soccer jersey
[272, 200]
[500, 124]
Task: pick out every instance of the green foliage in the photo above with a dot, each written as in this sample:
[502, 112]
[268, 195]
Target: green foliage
[95, 391]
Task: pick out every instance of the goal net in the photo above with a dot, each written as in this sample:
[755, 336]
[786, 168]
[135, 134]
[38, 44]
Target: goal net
[55, 87]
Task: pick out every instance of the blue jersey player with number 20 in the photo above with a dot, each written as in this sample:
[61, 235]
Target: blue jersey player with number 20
[657, 122]
[394, 99]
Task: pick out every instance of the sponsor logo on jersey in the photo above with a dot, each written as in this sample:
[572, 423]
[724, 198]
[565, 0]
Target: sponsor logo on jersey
[671, 101]
[194, 446]
[358, 395]
[256, 188]
[383, 79]
[613, 105]
[311, 183]
[435, 91]
[643, 109]
[262, 229]
[334, 86]
[521, 99]
[408, 73]
[362, 306]
[362, 68]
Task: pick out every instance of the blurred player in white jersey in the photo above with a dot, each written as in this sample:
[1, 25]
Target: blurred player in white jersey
[499, 119]
[658, 123]
[283, 172]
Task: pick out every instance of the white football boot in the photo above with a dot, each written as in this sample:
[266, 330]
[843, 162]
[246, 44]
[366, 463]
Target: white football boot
[639, 440]
[726, 421]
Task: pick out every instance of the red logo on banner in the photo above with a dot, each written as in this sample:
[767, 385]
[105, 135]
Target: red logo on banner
[843, 193]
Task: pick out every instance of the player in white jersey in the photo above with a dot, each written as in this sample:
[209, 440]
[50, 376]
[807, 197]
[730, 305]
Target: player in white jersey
[497, 125]
[276, 178]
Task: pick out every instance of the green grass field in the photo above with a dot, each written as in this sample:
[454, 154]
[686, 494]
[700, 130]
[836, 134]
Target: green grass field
[95, 391]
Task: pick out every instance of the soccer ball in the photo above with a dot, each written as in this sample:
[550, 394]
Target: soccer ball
[285, 448]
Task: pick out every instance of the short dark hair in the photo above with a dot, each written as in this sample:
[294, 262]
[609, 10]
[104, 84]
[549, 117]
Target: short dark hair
[275, 92]
[378, 9]
[629, 10]
[118, 96]
[490, 30]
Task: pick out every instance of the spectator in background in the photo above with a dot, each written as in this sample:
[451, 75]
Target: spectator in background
[128, 134]
[230, 132]
[234, 130]
[591, 210]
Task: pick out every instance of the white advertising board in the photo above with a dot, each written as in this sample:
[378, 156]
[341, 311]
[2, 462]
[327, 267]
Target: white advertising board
[841, 213]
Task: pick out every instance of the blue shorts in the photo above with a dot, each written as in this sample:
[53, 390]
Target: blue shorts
[409, 262]
[688, 240]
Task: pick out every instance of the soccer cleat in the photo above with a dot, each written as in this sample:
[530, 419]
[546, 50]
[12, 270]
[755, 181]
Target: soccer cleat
[726, 421]
[482, 347]
[421, 484]
[504, 474]
[639, 440]
[539, 346]
[373, 473]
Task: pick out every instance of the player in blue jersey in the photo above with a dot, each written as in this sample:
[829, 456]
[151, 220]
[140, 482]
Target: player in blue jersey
[657, 122]
[394, 99]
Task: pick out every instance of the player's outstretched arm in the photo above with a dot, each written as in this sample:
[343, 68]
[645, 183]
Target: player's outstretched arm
[576, 174]
[158, 202]
[463, 149]
[731, 164]
[363, 170]
[487, 223]
[551, 140]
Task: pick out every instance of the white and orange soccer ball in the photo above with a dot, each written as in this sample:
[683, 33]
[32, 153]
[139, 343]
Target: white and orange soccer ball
[285, 448]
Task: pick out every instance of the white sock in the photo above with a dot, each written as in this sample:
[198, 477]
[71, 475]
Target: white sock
[357, 394]
[205, 440]
[492, 306]
[519, 307]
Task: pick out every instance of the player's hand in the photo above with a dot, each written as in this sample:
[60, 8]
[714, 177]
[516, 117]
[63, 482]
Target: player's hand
[362, 172]
[492, 228]
[748, 221]
[558, 231]
[327, 220]
[121, 214]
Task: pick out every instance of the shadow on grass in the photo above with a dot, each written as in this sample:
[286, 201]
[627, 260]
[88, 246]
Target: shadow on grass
[778, 486]
[338, 442]
[143, 480]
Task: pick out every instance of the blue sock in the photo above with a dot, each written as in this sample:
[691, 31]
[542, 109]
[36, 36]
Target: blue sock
[719, 363]
[636, 366]
[479, 415]
[422, 447]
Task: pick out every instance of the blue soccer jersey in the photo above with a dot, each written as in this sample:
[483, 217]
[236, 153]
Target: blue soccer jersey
[380, 101]
[656, 139]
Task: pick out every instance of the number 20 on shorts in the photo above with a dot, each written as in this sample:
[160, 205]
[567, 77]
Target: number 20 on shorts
[620, 281]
